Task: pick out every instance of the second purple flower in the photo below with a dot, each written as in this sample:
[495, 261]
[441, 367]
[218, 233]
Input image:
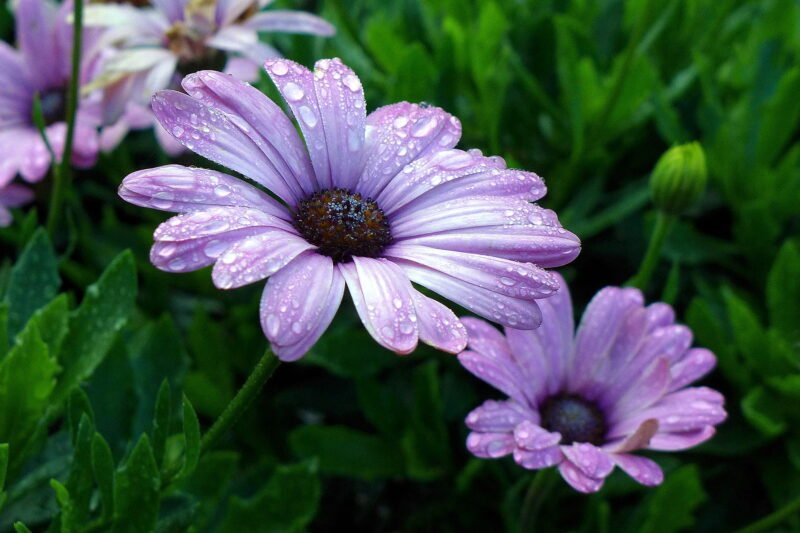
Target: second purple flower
[372, 202]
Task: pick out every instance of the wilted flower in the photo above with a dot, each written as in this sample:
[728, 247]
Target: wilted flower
[585, 404]
[372, 202]
[12, 195]
[41, 65]
[156, 46]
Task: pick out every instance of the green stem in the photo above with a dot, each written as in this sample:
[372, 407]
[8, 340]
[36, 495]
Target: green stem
[650, 261]
[769, 522]
[537, 492]
[61, 177]
[249, 391]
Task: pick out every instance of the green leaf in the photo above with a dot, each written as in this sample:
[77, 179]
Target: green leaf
[783, 292]
[764, 411]
[286, 504]
[191, 435]
[65, 504]
[19, 527]
[347, 452]
[80, 482]
[34, 281]
[92, 328]
[3, 329]
[78, 407]
[53, 323]
[104, 473]
[670, 507]
[3, 472]
[162, 421]
[136, 496]
[27, 380]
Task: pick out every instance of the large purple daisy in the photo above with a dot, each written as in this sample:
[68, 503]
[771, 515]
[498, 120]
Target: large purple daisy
[585, 403]
[41, 65]
[373, 203]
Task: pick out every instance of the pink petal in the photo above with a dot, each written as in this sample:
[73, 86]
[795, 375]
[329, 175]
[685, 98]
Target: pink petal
[438, 325]
[505, 310]
[183, 189]
[257, 257]
[262, 121]
[398, 134]
[490, 445]
[282, 21]
[497, 416]
[589, 459]
[517, 280]
[642, 469]
[382, 296]
[214, 134]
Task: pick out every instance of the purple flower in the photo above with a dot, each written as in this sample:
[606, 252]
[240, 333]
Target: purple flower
[154, 47]
[41, 65]
[12, 195]
[585, 403]
[372, 202]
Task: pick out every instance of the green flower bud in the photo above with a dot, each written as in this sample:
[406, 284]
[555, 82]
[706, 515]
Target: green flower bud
[679, 178]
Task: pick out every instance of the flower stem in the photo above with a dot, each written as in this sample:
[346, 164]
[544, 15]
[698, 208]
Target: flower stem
[538, 490]
[653, 254]
[61, 177]
[769, 522]
[249, 391]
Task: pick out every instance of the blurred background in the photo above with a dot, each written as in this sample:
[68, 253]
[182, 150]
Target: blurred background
[588, 94]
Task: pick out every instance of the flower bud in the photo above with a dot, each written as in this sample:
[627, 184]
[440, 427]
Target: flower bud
[679, 178]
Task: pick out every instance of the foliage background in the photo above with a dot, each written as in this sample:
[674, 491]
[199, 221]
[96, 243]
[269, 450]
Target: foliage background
[588, 93]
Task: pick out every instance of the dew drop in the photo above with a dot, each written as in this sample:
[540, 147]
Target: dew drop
[293, 92]
[308, 116]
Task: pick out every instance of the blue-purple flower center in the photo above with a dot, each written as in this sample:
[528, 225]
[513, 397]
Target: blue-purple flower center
[577, 419]
[343, 224]
[54, 105]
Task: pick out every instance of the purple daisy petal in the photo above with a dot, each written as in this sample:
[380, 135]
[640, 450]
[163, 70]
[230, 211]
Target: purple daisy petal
[518, 280]
[534, 438]
[290, 22]
[438, 326]
[505, 310]
[637, 440]
[677, 441]
[642, 469]
[659, 315]
[330, 109]
[592, 461]
[262, 120]
[694, 365]
[641, 393]
[214, 134]
[500, 373]
[187, 189]
[382, 296]
[485, 338]
[193, 254]
[37, 42]
[578, 480]
[299, 303]
[497, 417]
[490, 445]
[258, 257]
[215, 221]
[398, 134]
[535, 460]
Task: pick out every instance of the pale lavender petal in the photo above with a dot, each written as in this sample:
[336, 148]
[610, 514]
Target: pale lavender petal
[227, 11]
[5, 217]
[242, 40]
[167, 141]
[659, 315]
[34, 159]
[196, 253]
[485, 338]
[535, 460]
[398, 134]
[637, 440]
[499, 373]
[257, 257]
[213, 134]
[531, 437]
[510, 278]
[261, 120]
[497, 417]
[14, 195]
[438, 325]
[694, 365]
[490, 445]
[670, 442]
[37, 42]
[505, 310]
[299, 303]
[547, 246]
[578, 480]
[173, 9]
[283, 21]
[243, 69]
[381, 293]
[214, 221]
[640, 393]
[589, 459]
[183, 189]
[643, 470]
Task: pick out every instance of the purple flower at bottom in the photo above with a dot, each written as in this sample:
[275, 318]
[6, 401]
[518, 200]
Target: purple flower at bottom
[585, 403]
[371, 202]
[42, 65]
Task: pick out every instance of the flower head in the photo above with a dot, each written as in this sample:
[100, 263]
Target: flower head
[41, 65]
[585, 403]
[371, 202]
[154, 47]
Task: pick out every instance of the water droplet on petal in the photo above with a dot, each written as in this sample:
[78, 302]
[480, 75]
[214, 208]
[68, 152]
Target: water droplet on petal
[293, 92]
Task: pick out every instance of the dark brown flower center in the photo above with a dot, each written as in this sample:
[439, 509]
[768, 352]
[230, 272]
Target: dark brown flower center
[54, 105]
[343, 224]
[577, 420]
